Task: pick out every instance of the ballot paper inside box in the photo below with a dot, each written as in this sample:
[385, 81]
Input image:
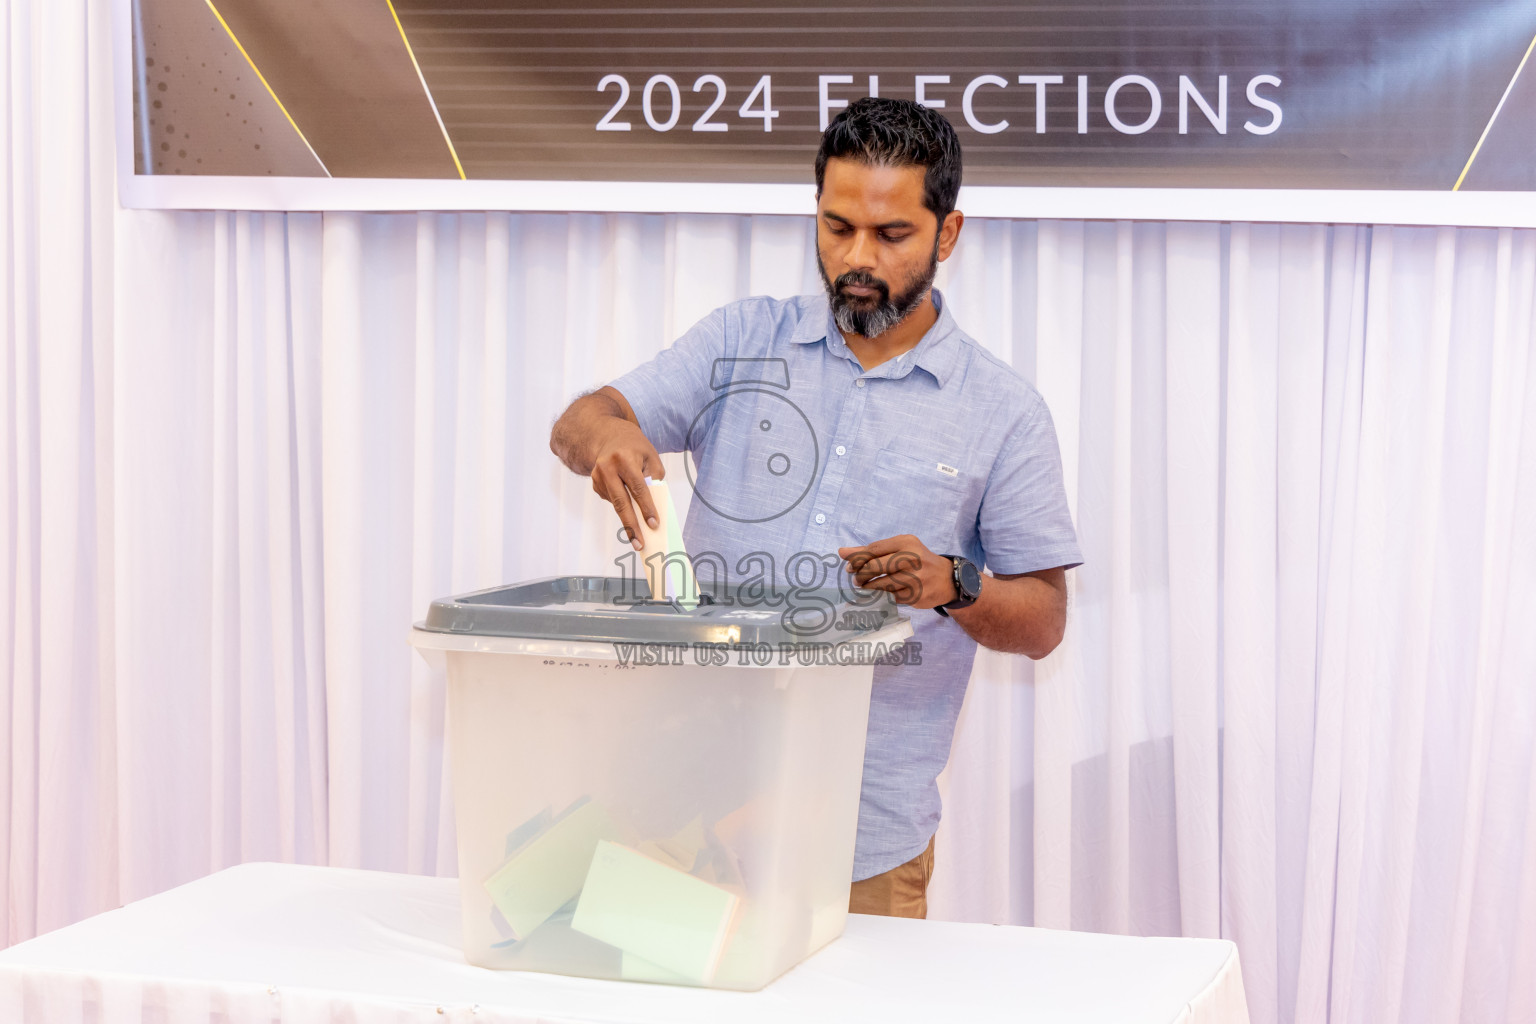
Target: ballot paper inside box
[681, 823]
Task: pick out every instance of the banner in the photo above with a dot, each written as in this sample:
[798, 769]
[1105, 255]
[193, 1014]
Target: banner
[421, 104]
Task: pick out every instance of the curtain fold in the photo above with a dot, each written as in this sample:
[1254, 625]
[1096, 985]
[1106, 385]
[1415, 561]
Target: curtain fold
[240, 453]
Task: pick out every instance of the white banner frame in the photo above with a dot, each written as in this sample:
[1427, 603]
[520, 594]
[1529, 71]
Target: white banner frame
[1307, 206]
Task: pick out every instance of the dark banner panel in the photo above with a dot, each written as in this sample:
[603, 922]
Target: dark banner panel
[1353, 94]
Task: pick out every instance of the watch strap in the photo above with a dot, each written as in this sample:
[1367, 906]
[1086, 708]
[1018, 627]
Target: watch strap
[960, 601]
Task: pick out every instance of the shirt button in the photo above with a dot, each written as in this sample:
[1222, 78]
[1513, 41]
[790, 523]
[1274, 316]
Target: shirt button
[820, 518]
[859, 383]
[841, 450]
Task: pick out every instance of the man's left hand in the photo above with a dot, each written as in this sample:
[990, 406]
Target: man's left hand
[904, 567]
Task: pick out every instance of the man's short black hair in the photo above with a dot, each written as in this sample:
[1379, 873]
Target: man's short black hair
[897, 133]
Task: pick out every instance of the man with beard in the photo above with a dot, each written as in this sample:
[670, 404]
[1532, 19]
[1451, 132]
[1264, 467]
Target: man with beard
[922, 458]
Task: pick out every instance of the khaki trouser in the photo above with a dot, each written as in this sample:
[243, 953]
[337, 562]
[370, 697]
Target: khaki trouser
[899, 892]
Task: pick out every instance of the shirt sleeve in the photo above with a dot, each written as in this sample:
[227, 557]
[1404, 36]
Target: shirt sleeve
[1025, 524]
[672, 391]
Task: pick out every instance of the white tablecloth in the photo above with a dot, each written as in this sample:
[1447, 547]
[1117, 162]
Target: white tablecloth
[303, 945]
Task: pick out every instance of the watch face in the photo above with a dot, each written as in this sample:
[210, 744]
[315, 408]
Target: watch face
[970, 579]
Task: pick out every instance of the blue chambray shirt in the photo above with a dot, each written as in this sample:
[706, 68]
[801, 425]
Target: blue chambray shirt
[800, 449]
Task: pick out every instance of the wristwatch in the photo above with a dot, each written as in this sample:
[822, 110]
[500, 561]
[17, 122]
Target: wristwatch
[967, 584]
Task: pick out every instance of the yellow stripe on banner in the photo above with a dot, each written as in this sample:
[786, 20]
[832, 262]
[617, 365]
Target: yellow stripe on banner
[1489, 126]
[424, 88]
[270, 91]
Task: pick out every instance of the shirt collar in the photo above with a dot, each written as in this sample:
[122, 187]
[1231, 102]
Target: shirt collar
[937, 352]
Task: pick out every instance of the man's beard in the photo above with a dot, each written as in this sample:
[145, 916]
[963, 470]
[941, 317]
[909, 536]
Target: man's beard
[873, 316]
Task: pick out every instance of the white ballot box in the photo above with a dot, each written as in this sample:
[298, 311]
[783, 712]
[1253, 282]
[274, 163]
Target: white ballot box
[652, 790]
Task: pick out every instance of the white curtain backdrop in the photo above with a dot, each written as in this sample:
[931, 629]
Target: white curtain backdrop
[1296, 704]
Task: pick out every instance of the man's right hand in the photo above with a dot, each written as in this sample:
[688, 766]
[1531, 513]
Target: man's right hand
[599, 436]
[620, 464]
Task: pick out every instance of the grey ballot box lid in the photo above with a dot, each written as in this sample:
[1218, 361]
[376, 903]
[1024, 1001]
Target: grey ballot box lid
[606, 608]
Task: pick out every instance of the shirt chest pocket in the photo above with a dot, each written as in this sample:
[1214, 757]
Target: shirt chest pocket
[921, 493]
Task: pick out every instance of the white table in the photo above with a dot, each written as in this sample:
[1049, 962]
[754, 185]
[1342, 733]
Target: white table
[305, 945]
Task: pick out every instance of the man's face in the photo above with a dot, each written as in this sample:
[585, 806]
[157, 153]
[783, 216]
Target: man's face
[877, 246]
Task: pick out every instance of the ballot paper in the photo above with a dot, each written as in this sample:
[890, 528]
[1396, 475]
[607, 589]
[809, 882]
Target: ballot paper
[668, 569]
[547, 870]
[528, 829]
[555, 945]
[655, 913]
[734, 836]
[683, 850]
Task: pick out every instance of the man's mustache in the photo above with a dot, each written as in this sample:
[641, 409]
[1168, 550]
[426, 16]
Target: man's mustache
[863, 279]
